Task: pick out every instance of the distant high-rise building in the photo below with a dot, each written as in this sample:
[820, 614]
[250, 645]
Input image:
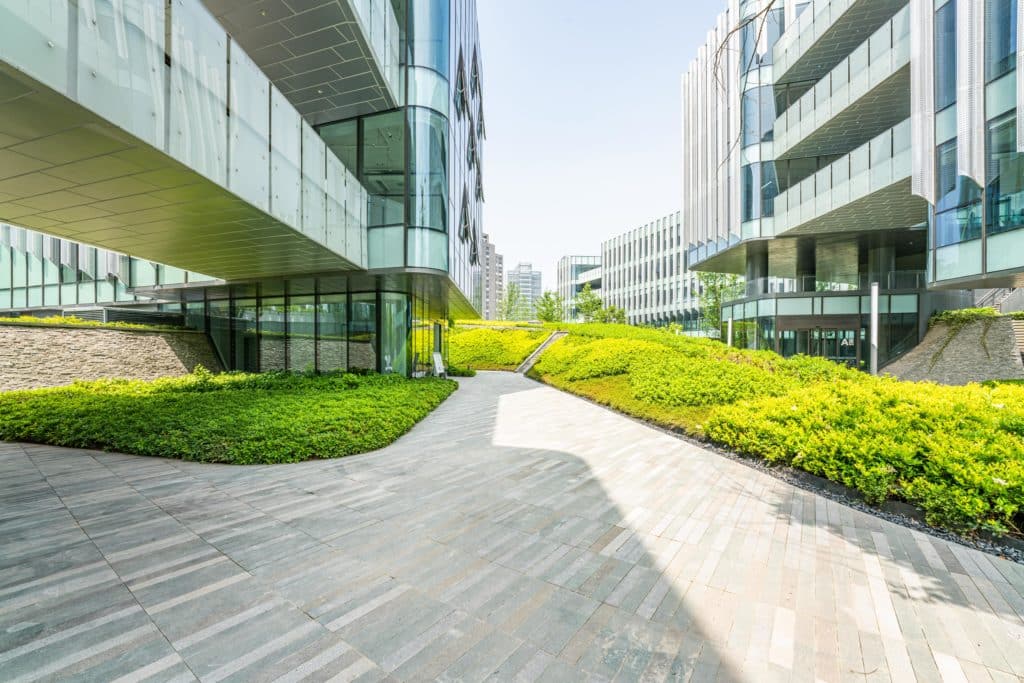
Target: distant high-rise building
[493, 280]
[575, 273]
[528, 281]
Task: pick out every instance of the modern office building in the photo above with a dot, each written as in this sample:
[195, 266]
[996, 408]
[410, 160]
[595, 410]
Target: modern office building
[644, 272]
[303, 180]
[528, 281]
[493, 280]
[575, 273]
[831, 145]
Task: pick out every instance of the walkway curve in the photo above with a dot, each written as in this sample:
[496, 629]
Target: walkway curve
[516, 532]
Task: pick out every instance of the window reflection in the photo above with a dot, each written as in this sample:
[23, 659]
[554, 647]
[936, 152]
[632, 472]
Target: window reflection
[1006, 173]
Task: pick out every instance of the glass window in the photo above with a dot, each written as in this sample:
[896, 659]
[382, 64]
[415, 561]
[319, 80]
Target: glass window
[272, 334]
[384, 167]
[945, 56]
[769, 188]
[767, 116]
[301, 331]
[428, 176]
[749, 109]
[1000, 37]
[332, 319]
[219, 313]
[394, 320]
[362, 334]
[958, 210]
[1005, 170]
[246, 340]
[430, 29]
[750, 197]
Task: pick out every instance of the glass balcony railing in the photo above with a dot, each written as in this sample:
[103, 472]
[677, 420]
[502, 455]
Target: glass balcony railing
[809, 27]
[380, 26]
[871, 167]
[855, 282]
[878, 58]
[110, 59]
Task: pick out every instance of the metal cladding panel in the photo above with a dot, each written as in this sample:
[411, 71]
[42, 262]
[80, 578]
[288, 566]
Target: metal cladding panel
[970, 90]
[1020, 75]
[922, 98]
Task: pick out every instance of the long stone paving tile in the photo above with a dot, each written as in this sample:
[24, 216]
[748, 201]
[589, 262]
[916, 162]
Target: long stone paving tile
[516, 533]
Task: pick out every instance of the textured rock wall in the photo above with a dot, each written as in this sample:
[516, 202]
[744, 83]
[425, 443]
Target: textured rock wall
[978, 352]
[33, 356]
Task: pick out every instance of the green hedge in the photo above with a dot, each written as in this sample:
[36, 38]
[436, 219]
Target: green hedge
[72, 321]
[232, 418]
[492, 348]
[957, 452]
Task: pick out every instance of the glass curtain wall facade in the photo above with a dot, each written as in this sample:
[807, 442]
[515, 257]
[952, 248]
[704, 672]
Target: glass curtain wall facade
[572, 272]
[799, 173]
[977, 221]
[644, 273]
[363, 205]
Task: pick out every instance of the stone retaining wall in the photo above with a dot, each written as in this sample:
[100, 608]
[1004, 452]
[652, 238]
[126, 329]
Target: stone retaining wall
[36, 356]
[979, 351]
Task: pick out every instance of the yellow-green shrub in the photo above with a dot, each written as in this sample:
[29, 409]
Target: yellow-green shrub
[492, 348]
[957, 452]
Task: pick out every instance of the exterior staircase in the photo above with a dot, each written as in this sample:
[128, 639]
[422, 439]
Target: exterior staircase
[1018, 332]
[532, 359]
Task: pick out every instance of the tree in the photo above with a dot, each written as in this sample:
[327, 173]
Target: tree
[550, 307]
[588, 304]
[612, 314]
[715, 289]
[512, 302]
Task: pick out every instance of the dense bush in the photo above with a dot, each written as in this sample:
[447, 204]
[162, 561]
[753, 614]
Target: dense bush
[957, 452]
[492, 348]
[231, 418]
[962, 316]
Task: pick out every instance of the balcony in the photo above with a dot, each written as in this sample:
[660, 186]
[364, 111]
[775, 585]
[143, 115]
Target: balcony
[825, 34]
[183, 161]
[866, 93]
[868, 189]
[855, 282]
[337, 60]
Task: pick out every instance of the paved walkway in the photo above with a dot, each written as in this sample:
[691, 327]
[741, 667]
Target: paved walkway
[518, 532]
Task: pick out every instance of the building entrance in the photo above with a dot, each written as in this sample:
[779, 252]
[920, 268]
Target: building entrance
[836, 338]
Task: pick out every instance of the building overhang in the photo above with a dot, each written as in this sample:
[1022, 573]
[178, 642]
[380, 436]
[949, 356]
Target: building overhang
[70, 173]
[330, 61]
[890, 207]
[1005, 278]
[881, 108]
[437, 292]
[839, 35]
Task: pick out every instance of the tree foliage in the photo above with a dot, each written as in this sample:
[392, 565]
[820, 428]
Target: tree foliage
[550, 307]
[716, 289]
[512, 304]
[588, 304]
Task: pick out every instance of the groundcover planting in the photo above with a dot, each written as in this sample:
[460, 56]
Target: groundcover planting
[957, 452]
[231, 418]
[492, 348]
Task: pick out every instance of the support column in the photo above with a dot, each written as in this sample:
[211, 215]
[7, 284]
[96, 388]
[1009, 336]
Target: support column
[806, 266]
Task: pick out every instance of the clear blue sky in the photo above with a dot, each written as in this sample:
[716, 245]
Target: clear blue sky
[582, 109]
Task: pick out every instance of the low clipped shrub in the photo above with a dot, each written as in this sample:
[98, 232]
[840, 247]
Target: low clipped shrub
[73, 321]
[962, 316]
[482, 348]
[229, 418]
[957, 452]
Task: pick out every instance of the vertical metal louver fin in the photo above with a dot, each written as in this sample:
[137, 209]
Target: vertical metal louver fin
[970, 90]
[1020, 75]
[922, 98]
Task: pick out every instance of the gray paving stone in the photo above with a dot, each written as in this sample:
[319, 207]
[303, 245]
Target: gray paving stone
[517, 533]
